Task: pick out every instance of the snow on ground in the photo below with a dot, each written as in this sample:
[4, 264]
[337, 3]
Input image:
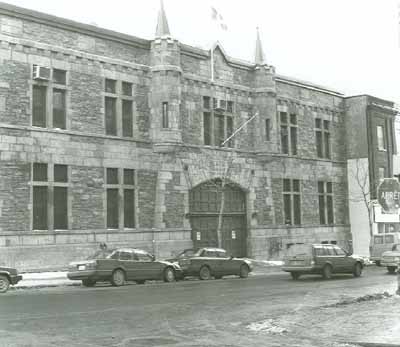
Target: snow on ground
[267, 326]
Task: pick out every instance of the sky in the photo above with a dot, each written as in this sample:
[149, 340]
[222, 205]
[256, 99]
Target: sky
[352, 46]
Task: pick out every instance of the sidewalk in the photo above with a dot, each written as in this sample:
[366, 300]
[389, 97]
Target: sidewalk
[59, 278]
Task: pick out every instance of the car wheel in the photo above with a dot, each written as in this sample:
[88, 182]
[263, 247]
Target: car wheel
[118, 278]
[4, 284]
[169, 275]
[391, 269]
[357, 270]
[88, 283]
[378, 263]
[295, 275]
[244, 271]
[205, 273]
[327, 272]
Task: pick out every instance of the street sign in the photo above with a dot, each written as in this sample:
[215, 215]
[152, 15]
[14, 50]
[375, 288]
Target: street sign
[389, 195]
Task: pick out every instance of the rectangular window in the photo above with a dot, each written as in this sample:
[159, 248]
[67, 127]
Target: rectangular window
[49, 100]
[380, 138]
[59, 111]
[206, 102]
[112, 176]
[120, 198]
[229, 107]
[129, 208]
[127, 118]
[50, 197]
[219, 129]
[207, 128]
[126, 88]
[60, 202]
[112, 209]
[111, 116]
[110, 86]
[325, 199]
[60, 76]
[165, 120]
[288, 133]
[267, 130]
[322, 138]
[39, 172]
[39, 106]
[291, 202]
[40, 207]
[229, 130]
[60, 173]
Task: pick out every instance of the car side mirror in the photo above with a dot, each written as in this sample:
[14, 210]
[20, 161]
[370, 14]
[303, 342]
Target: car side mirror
[349, 253]
[231, 257]
[153, 258]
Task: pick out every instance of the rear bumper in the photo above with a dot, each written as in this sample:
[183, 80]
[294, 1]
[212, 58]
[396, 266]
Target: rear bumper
[303, 269]
[83, 275]
[389, 263]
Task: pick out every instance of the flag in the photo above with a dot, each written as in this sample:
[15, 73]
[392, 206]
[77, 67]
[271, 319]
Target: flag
[218, 19]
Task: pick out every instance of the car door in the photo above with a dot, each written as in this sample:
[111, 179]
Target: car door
[210, 257]
[345, 263]
[226, 264]
[127, 263]
[145, 266]
[331, 257]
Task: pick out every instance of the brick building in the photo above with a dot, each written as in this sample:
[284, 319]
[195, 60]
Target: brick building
[106, 137]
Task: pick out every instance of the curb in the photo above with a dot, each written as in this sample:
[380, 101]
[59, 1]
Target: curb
[374, 344]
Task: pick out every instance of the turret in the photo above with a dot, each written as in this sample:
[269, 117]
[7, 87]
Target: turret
[165, 87]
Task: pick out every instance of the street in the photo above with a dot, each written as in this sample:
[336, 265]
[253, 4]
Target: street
[264, 310]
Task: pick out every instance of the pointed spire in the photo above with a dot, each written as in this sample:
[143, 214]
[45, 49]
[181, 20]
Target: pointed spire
[259, 56]
[162, 23]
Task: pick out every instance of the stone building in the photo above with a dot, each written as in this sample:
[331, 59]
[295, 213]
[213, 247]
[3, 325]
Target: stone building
[106, 137]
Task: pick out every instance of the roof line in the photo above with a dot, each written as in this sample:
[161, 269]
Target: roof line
[63, 23]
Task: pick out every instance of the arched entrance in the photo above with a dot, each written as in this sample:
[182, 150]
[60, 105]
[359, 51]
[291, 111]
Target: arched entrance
[205, 202]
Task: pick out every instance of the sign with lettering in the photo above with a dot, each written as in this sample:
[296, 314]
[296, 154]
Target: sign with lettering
[389, 195]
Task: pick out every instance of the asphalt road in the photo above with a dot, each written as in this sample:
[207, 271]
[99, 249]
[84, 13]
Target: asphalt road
[268, 310]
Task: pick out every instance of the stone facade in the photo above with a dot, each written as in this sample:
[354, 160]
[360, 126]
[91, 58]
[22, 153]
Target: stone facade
[168, 161]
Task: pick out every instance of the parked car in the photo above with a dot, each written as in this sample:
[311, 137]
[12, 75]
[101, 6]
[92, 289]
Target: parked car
[8, 276]
[211, 262]
[321, 259]
[120, 265]
[391, 259]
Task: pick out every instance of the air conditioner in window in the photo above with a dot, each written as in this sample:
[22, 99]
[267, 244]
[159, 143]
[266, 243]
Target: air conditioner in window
[221, 105]
[41, 73]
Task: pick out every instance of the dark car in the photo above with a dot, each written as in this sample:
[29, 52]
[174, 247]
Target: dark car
[120, 265]
[8, 276]
[211, 262]
[321, 259]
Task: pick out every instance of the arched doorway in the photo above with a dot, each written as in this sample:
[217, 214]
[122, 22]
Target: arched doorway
[205, 202]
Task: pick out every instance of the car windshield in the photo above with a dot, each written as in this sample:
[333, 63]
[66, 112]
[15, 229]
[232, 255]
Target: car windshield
[101, 254]
[298, 249]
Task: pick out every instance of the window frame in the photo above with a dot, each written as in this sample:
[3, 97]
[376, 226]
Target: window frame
[51, 86]
[51, 185]
[212, 115]
[322, 131]
[121, 98]
[121, 187]
[327, 211]
[290, 198]
[289, 131]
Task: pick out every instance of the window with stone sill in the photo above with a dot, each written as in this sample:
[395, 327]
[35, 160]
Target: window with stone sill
[291, 202]
[217, 121]
[118, 108]
[322, 138]
[288, 126]
[120, 198]
[325, 202]
[49, 100]
[50, 185]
